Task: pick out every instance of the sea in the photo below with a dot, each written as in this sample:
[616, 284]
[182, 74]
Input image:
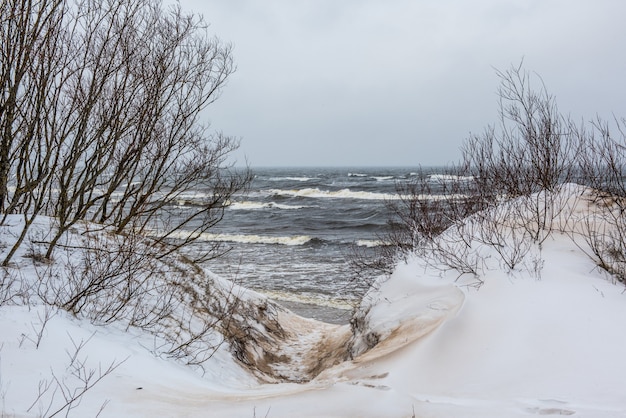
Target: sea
[291, 235]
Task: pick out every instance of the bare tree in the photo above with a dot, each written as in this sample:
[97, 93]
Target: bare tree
[30, 65]
[103, 122]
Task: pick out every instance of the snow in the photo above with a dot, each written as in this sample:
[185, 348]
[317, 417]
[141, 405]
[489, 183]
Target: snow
[526, 342]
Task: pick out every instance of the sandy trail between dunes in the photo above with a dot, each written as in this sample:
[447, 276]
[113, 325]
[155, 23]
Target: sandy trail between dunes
[280, 346]
[311, 355]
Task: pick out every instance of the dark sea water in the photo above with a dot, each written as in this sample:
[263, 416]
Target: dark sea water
[292, 233]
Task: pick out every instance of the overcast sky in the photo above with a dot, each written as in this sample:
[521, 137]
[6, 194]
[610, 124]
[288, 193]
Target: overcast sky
[401, 82]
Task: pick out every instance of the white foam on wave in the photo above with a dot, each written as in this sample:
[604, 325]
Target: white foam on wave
[244, 238]
[338, 194]
[302, 179]
[369, 243]
[383, 178]
[310, 299]
[349, 194]
[193, 198]
[357, 175]
[263, 205]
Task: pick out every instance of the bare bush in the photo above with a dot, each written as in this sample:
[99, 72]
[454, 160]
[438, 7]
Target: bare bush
[450, 253]
[530, 153]
[14, 289]
[115, 278]
[602, 167]
[366, 264]
[61, 393]
[602, 229]
[532, 148]
[514, 177]
[427, 219]
[39, 328]
[426, 205]
[500, 230]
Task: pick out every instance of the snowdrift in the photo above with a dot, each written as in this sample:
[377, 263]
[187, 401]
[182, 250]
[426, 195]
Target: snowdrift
[541, 336]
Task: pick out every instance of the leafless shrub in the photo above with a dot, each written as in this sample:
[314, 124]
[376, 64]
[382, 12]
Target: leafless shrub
[499, 230]
[191, 334]
[532, 125]
[457, 256]
[113, 270]
[456, 249]
[253, 332]
[366, 264]
[39, 328]
[529, 154]
[534, 262]
[427, 205]
[527, 157]
[109, 277]
[545, 212]
[602, 167]
[602, 229]
[61, 393]
[14, 289]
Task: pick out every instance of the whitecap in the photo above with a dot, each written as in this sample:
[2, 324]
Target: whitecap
[244, 238]
[263, 205]
[310, 299]
[302, 179]
[369, 243]
[338, 194]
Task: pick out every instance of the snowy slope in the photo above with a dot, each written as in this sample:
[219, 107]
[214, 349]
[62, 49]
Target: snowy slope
[542, 340]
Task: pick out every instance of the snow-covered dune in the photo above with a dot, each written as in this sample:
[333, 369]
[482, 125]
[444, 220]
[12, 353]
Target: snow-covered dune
[543, 338]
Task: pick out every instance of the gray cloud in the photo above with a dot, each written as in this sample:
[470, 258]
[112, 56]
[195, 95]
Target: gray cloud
[403, 82]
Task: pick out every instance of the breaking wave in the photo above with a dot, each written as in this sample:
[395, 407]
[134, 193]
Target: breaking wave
[310, 298]
[302, 179]
[349, 194]
[245, 238]
[338, 194]
[374, 177]
[369, 243]
[263, 205]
